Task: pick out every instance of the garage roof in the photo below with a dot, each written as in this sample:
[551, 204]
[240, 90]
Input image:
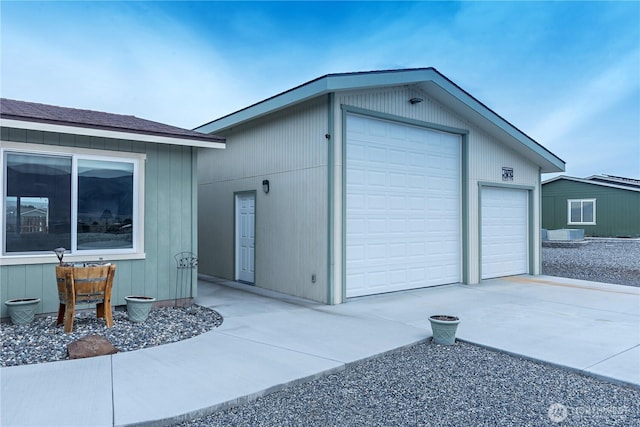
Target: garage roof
[43, 117]
[429, 80]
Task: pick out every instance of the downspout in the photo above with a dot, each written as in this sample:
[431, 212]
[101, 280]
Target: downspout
[330, 194]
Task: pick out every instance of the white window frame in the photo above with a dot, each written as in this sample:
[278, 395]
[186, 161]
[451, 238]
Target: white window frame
[581, 201]
[73, 254]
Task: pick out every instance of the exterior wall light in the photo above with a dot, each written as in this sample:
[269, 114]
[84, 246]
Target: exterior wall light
[416, 100]
[265, 186]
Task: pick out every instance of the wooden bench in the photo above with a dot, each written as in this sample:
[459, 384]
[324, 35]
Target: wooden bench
[84, 285]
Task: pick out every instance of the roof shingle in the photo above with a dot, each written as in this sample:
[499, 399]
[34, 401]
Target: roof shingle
[31, 111]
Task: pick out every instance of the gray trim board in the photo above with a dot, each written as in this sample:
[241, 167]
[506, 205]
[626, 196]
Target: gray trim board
[539, 220]
[194, 218]
[400, 119]
[464, 213]
[331, 194]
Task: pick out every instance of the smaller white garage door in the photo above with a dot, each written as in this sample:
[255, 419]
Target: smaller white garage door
[505, 232]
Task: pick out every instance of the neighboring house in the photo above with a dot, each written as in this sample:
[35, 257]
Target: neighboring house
[362, 183]
[104, 186]
[601, 205]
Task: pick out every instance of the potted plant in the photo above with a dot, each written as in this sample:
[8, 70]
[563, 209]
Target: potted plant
[139, 307]
[444, 328]
[22, 310]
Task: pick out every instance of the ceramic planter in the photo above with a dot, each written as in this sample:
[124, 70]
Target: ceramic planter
[444, 328]
[22, 310]
[139, 307]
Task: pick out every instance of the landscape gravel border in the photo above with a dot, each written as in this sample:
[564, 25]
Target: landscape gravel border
[595, 259]
[436, 385]
[42, 341]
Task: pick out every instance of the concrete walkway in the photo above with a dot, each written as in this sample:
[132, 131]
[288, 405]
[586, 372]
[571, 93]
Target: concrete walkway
[267, 342]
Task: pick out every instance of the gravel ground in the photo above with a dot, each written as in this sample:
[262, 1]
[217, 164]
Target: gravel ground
[600, 260]
[43, 341]
[435, 385]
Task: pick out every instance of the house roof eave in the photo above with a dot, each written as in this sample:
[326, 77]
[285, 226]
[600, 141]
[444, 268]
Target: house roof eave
[587, 181]
[106, 132]
[52, 118]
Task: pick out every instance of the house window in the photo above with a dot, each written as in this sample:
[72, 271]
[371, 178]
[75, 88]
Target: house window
[84, 203]
[582, 211]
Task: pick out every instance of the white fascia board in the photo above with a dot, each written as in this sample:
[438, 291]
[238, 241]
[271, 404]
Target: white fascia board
[555, 178]
[586, 181]
[104, 133]
[614, 180]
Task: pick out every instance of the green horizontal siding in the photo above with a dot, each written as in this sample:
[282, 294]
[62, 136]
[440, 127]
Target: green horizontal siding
[617, 210]
[169, 224]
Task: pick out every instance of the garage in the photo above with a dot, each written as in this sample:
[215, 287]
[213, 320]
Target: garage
[402, 206]
[505, 231]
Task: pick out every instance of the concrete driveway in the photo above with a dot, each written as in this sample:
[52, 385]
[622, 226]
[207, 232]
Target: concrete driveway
[269, 341]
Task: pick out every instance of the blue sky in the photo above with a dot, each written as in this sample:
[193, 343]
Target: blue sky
[565, 73]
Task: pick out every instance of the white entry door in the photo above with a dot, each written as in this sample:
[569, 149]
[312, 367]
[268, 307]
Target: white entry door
[505, 232]
[245, 237]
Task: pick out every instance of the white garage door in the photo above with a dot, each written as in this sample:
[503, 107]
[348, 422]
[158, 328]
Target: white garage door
[402, 207]
[505, 232]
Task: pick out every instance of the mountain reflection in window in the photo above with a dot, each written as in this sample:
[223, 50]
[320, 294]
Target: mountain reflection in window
[105, 204]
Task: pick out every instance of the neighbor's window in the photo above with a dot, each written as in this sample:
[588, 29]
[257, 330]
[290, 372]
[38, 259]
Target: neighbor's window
[82, 203]
[582, 211]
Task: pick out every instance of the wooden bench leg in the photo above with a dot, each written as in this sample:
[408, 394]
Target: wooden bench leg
[103, 311]
[108, 314]
[60, 314]
[70, 303]
[68, 318]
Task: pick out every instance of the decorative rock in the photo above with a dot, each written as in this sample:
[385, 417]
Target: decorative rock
[93, 345]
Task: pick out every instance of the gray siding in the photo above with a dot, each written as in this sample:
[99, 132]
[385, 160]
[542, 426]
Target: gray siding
[169, 224]
[290, 150]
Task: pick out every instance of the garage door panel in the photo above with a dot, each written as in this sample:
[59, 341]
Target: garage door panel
[505, 232]
[411, 195]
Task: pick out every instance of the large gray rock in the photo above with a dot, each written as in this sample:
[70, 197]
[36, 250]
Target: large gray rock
[90, 346]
